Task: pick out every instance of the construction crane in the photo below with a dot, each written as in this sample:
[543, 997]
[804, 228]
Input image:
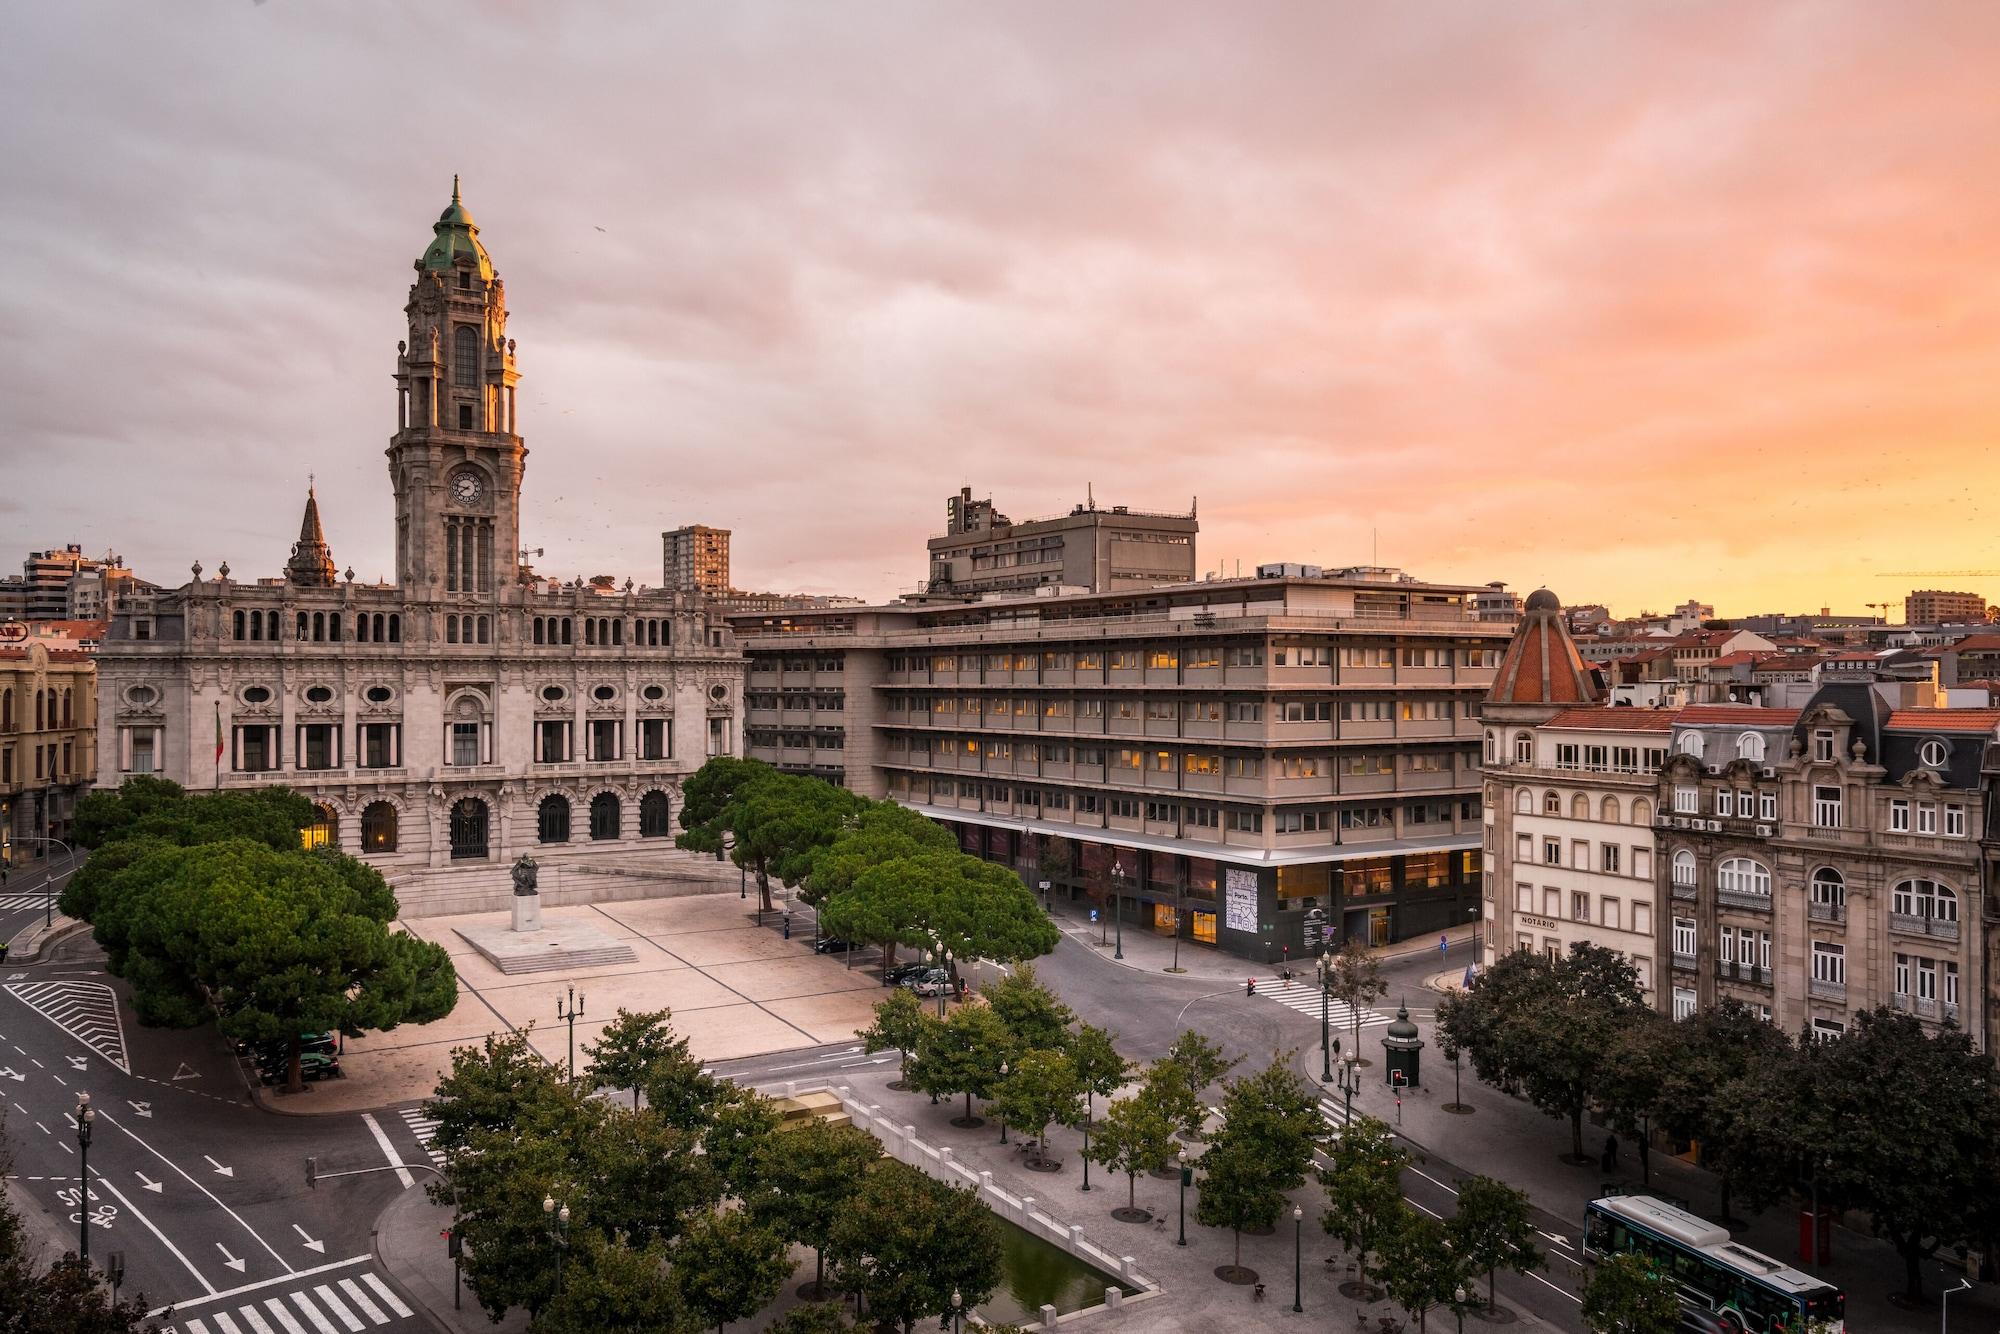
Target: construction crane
[1939, 574]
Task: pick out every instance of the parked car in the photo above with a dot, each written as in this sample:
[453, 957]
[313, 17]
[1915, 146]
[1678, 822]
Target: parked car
[326, 1042]
[830, 945]
[930, 982]
[312, 1065]
[895, 975]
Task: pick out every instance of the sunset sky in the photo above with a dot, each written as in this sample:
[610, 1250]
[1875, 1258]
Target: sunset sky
[1641, 301]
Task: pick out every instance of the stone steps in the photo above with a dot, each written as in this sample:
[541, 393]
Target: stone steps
[568, 959]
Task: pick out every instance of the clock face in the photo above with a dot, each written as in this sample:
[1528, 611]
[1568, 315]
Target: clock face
[467, 487]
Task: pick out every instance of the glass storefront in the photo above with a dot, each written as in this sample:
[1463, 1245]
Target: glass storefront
[1204, 927]
[1163, 918]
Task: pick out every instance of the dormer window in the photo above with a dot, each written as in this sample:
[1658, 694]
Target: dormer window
[1823, 746]
[465, 280]
[1932, 754]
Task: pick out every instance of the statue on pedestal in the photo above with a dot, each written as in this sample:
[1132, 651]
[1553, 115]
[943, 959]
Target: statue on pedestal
[527, 901]
[525, 874]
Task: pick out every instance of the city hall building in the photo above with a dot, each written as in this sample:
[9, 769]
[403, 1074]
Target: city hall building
[466, 713]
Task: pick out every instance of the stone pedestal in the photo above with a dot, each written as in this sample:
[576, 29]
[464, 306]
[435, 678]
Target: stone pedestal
[527, 912]
[558, 945]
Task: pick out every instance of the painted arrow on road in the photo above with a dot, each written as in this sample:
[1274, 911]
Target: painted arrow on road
[148, 1182]
[220, 1170]
[141, 1108]
[79, 1063]
[1560, 1241]
[8, 1072]
[229, 1259]
[311, 1245]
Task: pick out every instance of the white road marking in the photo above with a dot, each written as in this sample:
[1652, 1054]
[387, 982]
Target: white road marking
[224, 1323]
[220, 1170]
[87, 1011]
[229, 1259]
[196, 1327]
[311, 1313]
[338, 1307]
[360, 1299]
[172, 1249]
[388, 1150]
[255, 1321]
[394, 1302]
[108, 1119]
[425, 1129]
[311, 1245]
[261, 1284]
[284, 1317]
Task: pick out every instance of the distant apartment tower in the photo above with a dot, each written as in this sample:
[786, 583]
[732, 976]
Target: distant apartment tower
[1096, 550]
[1932, 606]
[1496, 602]
[64, 584]
[697, 559]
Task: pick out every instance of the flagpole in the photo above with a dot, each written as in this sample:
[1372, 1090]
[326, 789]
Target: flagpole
[218, 745]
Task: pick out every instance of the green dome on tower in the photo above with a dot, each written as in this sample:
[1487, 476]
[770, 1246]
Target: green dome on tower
[457, 234]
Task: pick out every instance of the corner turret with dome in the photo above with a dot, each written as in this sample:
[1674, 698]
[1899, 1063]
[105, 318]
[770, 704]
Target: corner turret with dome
[1541, 667]
[447, 720]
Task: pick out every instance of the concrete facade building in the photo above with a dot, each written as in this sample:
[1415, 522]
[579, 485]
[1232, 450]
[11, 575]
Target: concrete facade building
[1933, 606]
[1496, 602]
[465, 713]
[1247, 763]
[1096, 550]
[696, 559]
[48, 744]
[64, 584]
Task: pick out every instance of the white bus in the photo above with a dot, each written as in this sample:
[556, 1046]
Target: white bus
[1723, 1286]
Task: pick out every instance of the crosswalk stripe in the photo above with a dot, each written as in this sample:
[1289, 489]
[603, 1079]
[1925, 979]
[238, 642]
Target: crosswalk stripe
[311, 1312]
[394, 1302]
[338, 1307]
[196, 1327]
[255, 1321]
[224, 1323]
[360, 1299]
[277, 1308]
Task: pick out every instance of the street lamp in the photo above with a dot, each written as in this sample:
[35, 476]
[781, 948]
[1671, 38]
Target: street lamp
[1003, 1119]
[1944, 1315]
[85, 1118]
[557, 1216]
[1299, 1259]
[1118, 908]
[1325, 1019]
[1350, 1080]
[572, 1014]
[1180, 915]
[957, 1311]
[1180, 1159]
[49, 873]
[1086, 1154]
[1458, 1306]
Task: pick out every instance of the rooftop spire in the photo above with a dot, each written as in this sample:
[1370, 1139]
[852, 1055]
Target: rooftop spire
[454, 187]
[1541, 665]
[311, 565]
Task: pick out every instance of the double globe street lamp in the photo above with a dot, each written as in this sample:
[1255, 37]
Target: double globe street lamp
[557, 1222]
[86, 1118]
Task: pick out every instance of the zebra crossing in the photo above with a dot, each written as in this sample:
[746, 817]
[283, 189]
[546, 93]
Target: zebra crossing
[1304, 997]
[17, 902]
[425, 1129]
[338, 1306]
[87, 1011]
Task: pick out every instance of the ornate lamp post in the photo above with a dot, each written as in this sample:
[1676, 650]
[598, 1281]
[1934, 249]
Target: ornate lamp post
[1458, 1306]
[557, 1216]
[1118, 908]
[1350, 1080]
[1325, 1026]
[1003, 1120]
[572, 1014]
[957, 1311]
[1187, 1174]
[86, 1117]
[1298, 1258]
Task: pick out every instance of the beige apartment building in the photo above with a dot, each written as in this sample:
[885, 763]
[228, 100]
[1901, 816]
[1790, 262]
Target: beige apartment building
[1109, 550]
[696, 559]
[48, 744]
[1259, 764]
[1935, 606]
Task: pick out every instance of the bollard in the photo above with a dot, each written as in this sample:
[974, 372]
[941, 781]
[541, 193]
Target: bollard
[1048, 1316]
[1075, 1239]
[947, 1157]
[791, 1088]
[985, 1184]
[1114, 1297]
[1127, 1266]
[1027, 1209]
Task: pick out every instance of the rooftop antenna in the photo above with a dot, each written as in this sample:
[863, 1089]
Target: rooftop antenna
[1090, 494]
[1374, 546]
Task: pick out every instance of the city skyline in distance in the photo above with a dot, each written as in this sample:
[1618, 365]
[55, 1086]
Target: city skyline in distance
[1654, 307]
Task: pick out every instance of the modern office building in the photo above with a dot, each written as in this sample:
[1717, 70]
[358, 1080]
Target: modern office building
[1932, 606]
[1096, 550]
[64, 584]
[1250, 763]
[696, 559]
[466, 713]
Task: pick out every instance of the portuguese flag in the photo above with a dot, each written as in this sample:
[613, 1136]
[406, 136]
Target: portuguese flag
[218, 734]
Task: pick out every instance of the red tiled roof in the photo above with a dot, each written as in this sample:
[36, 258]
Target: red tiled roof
[1542, 666]
[1981, 643]
[1743, 714]
[1615, 719]
[1854, 655]
[1944, 720]
[55, 654]
[70, 629]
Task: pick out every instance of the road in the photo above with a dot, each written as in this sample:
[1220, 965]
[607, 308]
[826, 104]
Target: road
[202, 1193]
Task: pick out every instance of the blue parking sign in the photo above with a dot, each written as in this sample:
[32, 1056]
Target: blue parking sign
[1093, 914]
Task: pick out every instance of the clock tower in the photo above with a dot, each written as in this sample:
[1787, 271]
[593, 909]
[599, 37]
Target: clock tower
[456, 460]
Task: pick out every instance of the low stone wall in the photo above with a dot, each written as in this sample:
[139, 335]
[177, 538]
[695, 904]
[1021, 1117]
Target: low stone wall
[902, 1144]
[447, 892]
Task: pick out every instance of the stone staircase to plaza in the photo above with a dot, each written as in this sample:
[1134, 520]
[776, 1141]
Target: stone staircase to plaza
[568, 876]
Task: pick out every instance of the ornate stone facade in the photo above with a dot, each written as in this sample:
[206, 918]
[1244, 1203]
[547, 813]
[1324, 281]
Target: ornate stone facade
[468, 712]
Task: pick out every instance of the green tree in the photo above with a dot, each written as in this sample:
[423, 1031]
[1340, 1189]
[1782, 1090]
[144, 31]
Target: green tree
[273, 943]
[708, 802]
[1625, 1296]
[963, 1055]
[1135, 1136]
[1721, 1048]
[901, 1023]
[906, 1243]
[1099, 1067]
[1238, 1191]
[1354, 978]
[1640, 1064]
[962, 907]
[610, 1285]
[69, 1297]
[1543, 1024]
[631, 1048]
[1033, 1015]
[800, 1180]
[1178, 1079]
[1039, 1087]
[1421, 1267]
[728, 1266]
[737, 1124]
[1270, 1129]
[145, 807]
[1494, 1229]
[812, 1318]
[1363, 1178]
[494, 1087]
[882, 831]
[1054, 859]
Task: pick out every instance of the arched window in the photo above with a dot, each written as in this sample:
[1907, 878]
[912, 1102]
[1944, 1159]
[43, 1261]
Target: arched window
[566, 630]
[1524, 748]
[7, 707]
[654, 816]
[464, 355]
[41, 710]
[538, 629]
[1685, 873]
[69, 699]
[257, 626]
[333, 626]
[618, 633]
[378, 827]
[484, 629]
[589, 631]
[239, 625]
[395, 628]
[1579, 807]
[1924, 898]
[1689, 743]
[1524, 802]
[361, 629]
[1552, 804]
[468, 830]
[302, 627]
[270, 625]
[1750, 746]
[1829, 888]
[552, 819]
[1740, 875]
[604, 816]
[451, 629]
[1642, 811]
[324, 831]
[1607, 810]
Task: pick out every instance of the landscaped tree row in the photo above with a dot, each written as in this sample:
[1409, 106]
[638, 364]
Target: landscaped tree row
[209, 906]
[678, 1211]
[1887, 1118]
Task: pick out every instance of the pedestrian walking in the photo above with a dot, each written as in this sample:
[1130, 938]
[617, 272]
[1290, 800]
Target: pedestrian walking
[1610, 1153]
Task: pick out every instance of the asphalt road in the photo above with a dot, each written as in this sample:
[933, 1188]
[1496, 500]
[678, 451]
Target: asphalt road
[201, 1192]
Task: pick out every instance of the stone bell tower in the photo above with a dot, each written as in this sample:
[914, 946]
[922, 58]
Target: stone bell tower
[456, 460]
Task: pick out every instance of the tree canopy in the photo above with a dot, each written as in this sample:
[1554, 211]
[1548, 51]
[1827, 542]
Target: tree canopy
[1363, 1178]
[906, 1242]
[1625, 1296]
